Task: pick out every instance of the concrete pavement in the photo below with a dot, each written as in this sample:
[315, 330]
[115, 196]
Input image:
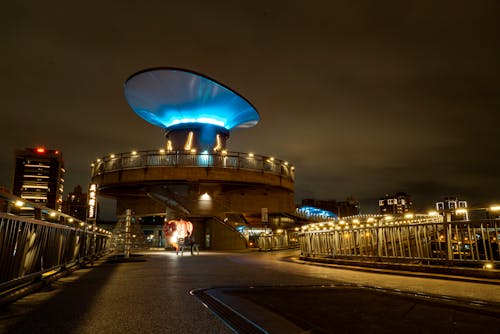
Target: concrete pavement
[154, 294]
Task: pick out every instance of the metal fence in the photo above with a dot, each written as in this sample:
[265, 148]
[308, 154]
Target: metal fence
[161, 158]
[474, 242]
[285, 240]
[30, 248]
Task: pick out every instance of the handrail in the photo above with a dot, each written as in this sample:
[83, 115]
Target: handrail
[474, 242]
[161, 158]
[30, 247]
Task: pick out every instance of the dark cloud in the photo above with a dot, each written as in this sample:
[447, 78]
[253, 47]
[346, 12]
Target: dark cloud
[365, 98]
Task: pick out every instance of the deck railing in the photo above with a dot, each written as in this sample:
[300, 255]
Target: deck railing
[232, 160]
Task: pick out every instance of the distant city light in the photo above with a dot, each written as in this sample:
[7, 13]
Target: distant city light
[310, 211]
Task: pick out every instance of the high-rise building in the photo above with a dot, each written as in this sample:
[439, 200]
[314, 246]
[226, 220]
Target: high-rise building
[75, 204]
[452, 208]
[349, 207]
[39, 176]
[396, 204]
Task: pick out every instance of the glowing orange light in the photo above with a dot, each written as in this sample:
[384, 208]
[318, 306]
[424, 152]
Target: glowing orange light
[40, 150]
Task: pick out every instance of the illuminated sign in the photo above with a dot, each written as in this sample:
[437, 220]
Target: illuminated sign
[264, 215]
[92, 212]
[40, 150]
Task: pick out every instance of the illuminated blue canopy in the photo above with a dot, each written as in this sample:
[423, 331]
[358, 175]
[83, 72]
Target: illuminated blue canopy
[168, 97]
[311, 211]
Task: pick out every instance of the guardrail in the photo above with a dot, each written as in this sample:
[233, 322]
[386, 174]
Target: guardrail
[161, 158]
[31, 248]
[457, 242]
[278, 241]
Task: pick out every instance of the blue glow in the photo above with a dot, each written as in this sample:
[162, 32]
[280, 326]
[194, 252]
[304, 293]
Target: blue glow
[168, 97]
[310, 211]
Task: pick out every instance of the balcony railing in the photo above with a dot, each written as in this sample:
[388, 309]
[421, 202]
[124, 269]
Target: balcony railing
[231, 160]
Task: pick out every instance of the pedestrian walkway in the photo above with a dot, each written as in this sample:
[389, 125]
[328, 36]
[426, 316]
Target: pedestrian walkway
[160, 292]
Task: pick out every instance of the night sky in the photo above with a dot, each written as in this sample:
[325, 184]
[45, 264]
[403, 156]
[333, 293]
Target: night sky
[363, 97]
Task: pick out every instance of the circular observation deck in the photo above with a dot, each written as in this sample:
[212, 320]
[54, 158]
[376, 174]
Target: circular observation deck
[238, 182]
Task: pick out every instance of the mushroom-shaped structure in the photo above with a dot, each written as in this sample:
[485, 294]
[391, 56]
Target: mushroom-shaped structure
[196, 111]
[194, 176]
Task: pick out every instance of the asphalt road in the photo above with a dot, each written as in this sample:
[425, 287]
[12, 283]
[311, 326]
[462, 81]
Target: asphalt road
[157, 293]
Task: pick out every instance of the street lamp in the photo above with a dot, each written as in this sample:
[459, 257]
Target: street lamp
[495, 209]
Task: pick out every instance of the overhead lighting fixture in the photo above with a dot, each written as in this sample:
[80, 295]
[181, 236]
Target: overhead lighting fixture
[189, 141]
[218, 146]
[205, 197]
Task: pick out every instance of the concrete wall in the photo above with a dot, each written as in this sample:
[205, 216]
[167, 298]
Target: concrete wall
[230, 190]
[223, 238]
[179, 190]
[191, 174]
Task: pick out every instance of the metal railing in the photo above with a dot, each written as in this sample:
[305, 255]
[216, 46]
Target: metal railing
[232, 160]
[277, 241]
[473, 242]
[30, 248]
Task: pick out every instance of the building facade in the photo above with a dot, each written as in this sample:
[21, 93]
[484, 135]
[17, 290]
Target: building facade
[39, 177]
[452, 208]
[75, 204]
[395, 204]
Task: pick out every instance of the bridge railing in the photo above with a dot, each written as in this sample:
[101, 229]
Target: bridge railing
[277, 241]
[160, 158]
[31, 248]
[473, 242]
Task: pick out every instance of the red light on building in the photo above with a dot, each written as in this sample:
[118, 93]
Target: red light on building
[40, 150]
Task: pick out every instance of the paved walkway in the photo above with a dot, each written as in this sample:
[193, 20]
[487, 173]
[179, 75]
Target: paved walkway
[151, 294]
